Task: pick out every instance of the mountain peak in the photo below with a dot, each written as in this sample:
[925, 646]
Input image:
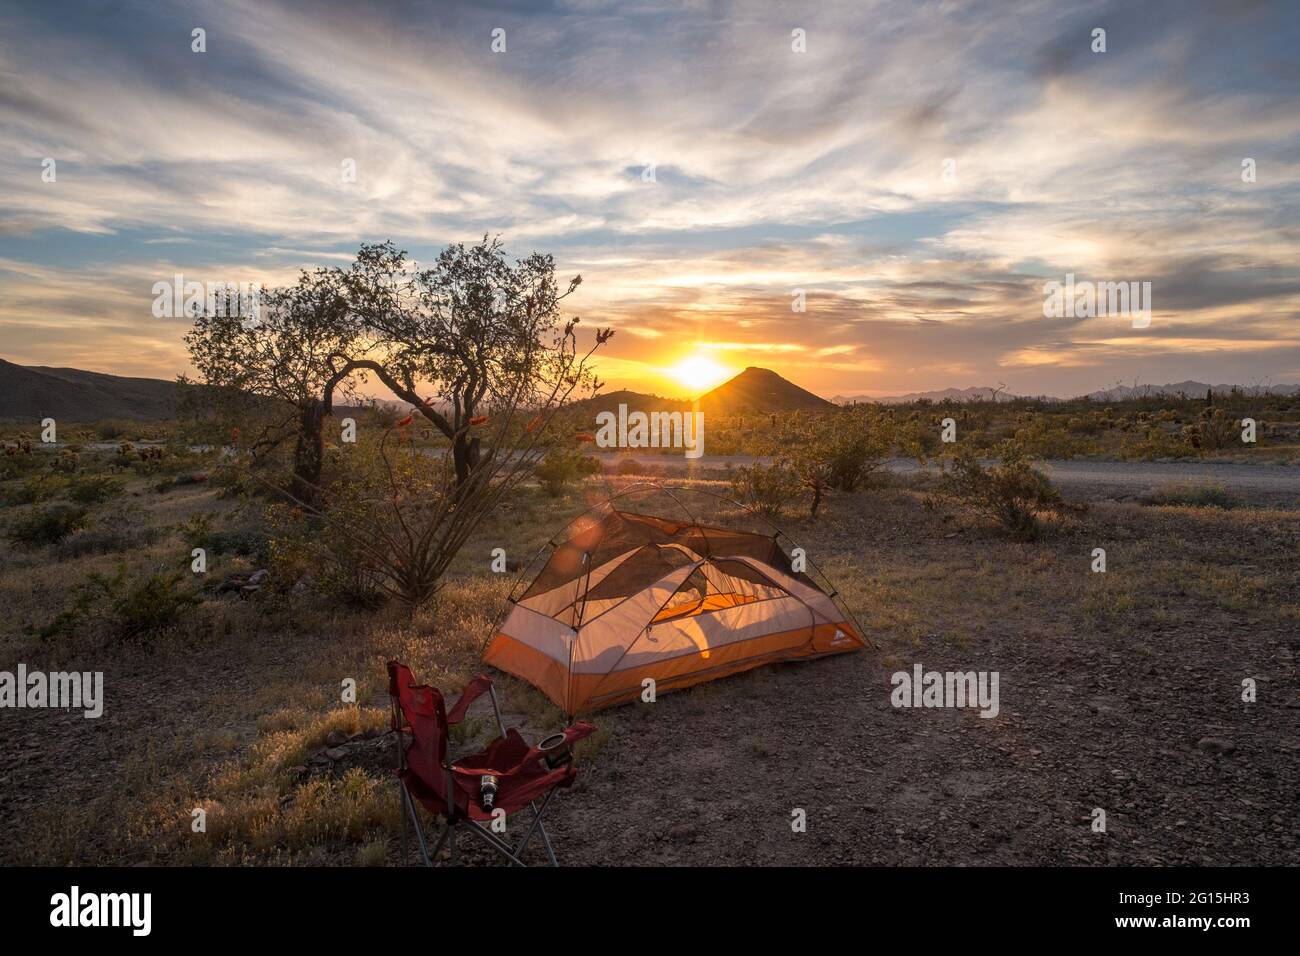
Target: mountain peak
[759, 390]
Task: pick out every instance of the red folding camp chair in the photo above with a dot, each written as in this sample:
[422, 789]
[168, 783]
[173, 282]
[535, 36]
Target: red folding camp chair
[452, 789]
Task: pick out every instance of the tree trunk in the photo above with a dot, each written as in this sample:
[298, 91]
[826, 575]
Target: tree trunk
[309, 454]
[465, 455]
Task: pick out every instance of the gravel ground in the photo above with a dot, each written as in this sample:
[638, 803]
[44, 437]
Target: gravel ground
[1141, 717]
[1119, 692]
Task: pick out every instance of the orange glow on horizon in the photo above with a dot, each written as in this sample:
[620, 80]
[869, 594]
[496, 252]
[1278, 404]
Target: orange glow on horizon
[698, 374]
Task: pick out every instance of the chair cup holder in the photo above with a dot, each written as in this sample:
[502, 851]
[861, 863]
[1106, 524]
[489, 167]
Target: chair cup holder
[555, 751]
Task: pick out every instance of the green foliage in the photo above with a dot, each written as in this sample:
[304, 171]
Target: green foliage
[1052, 437]
[1215, 429]
[564, 466]
[94, 489]
[47, 525]
[838, 451]
[766, 488]
[1155, 443]
[249, 542]
[1012, 492]
[123, 529]
[125, 609]
[34, 489]
[152, 605]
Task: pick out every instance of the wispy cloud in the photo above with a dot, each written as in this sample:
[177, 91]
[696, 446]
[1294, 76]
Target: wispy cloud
[918, 173]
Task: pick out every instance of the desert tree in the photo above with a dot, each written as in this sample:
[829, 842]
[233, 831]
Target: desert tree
[473, 329]
[835, 451]
[477, 345]
[288, 354]
[404, 512]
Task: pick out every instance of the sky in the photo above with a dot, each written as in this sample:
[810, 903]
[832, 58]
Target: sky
[914, 172]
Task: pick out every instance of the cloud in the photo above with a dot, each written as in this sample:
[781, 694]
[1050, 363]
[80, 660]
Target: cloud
[919, 172]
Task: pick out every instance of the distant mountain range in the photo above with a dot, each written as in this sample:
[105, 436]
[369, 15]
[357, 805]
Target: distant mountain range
[30, 393]
[972, 394]
[1188, 389]
[1118, 393]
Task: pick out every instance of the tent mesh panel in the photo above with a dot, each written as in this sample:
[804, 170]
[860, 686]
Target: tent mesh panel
[597, 542]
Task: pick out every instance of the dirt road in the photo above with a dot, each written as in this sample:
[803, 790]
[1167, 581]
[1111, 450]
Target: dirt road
[1267, 485]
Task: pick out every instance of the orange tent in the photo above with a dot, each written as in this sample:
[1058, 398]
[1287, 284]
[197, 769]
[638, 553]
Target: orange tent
[631, 596]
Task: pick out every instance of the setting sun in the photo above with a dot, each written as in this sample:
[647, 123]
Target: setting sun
[699, 374]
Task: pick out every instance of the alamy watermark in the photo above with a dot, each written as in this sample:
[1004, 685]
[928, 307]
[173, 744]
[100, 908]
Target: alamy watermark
[130, 910]
[653, 430]
[922, 688]
[1087, 300]
[80, 690]
[179, 299]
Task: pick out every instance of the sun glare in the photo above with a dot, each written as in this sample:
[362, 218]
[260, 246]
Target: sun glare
[699, 374]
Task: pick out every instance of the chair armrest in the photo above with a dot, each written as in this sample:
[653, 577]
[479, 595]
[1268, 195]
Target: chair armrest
[473, 691]
[572, 735]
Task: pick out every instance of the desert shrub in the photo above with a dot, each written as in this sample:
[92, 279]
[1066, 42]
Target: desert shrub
[17, 466]
[359, 554]
[1156, 443]
[66, 461]
[1012, 492]
[1047, 437]
[151, 461]
[34, 489]
[195, 528]
[348, 575]
[247, 542]
[152, 604]
[47, 525]
[766, 488]
[562, 467]
[917, 436]
[125, 608]
[854, 447]
[1204, 495]
[111, 430]
[122, 530]
[839, 451]
[1216, 429]
[94, 489]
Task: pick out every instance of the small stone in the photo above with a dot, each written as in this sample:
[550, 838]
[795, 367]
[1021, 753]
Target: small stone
[336, 738]
[682, 831]
[336, 753]
[1216, 745]
[257, 577]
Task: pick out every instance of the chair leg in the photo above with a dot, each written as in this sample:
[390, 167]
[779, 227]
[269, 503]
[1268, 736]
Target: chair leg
[451, 840]
[419, 830]
[537, 822]
[442, 838]
[401, 812]
[495, 842]
[546, 842]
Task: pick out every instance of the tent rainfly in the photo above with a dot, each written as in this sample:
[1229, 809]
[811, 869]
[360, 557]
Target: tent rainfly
[631, 596]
